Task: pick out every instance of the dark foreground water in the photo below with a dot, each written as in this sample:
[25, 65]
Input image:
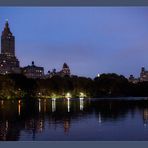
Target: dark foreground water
[74, 120]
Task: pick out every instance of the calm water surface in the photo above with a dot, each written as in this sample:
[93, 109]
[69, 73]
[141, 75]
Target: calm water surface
[74, 119]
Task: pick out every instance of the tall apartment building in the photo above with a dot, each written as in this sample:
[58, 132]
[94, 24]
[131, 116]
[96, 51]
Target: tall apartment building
[8, 61]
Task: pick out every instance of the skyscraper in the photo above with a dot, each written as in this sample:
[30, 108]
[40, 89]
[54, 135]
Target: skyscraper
[8, 61]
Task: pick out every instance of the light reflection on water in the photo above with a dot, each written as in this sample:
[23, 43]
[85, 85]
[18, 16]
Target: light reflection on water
[19, 107]
[68, 104]
[81, 103]
[53, 105]
[73, 119]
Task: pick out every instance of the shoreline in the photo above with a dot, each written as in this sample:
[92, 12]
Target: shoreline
[76, 99]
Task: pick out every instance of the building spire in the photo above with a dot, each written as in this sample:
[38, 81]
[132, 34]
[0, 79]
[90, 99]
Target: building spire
[32, 63]
[7, 24]
[6, 28]
[7, 41]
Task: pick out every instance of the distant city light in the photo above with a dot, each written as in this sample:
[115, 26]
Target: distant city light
[54, 96]
[82, 95]
[68, 95]
[2, 102]
[19, 101]
[98, 75]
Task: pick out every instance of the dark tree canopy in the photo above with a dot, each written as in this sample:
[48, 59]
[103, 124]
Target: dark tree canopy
[106, 85]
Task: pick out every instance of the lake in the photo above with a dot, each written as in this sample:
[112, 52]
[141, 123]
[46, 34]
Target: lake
[116, 119]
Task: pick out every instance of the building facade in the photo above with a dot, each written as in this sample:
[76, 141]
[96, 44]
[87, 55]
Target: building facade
[64, 72]
[33, 71]
[8, 61]
[133, 79]
[143, 75]
[10, 64]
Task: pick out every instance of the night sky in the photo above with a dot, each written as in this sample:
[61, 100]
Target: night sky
[90, 40]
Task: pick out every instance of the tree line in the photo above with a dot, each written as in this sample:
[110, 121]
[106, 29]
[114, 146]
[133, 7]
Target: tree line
[106, 85]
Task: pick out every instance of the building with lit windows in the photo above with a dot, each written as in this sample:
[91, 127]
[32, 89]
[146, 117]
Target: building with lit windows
[8, 61]
[133, 79]
[64, 72]
[33, 71]
[143, 75]
[10, 64]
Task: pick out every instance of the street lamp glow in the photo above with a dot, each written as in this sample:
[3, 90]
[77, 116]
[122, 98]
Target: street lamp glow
[54, 96]
[82, 95]
[53, 99]
[98, 75]
[68, 95]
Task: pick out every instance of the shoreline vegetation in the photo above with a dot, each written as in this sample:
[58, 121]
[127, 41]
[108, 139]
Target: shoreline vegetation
[17, 86]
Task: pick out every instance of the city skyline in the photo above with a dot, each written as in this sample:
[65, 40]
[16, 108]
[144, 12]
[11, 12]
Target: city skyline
[82, 37]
